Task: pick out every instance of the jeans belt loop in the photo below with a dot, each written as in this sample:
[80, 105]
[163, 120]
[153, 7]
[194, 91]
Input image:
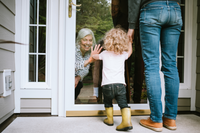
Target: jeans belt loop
[167, 2]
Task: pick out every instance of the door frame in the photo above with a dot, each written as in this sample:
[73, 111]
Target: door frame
[62, 50]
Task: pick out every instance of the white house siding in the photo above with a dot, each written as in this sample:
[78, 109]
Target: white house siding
[198, 62]
[7, 51]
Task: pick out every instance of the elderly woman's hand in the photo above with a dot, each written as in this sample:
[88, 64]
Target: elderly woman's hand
[77, 79]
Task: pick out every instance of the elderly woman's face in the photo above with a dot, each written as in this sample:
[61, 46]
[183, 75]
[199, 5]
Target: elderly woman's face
[86, 43]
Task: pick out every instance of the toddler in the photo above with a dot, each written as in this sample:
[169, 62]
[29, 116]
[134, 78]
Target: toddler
[117, 50]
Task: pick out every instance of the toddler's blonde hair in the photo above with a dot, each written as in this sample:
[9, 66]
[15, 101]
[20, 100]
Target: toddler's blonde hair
[116, 40]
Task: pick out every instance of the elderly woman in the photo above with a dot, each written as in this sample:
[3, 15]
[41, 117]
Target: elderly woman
[84, 51]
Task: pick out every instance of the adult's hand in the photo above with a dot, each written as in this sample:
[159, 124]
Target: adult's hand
[77, 79]
[130, 35]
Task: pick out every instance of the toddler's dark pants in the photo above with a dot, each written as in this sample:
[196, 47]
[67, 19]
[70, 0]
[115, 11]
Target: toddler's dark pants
[117, 91]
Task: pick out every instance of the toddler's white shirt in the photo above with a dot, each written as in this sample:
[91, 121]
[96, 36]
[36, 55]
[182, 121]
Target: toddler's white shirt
[113, 67]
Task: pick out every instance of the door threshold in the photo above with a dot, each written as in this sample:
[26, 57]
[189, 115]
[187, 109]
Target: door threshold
[103, 113]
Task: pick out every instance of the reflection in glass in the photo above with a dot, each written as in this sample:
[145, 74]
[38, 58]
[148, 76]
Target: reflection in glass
[96, 15]
[42, 39]
[181, 45]
[182, 1]
[42, 11]
[32, 68]
[41, 68]
[33, 39]
[180, 66]
[33, 11]
[183, 16]
[85, 40]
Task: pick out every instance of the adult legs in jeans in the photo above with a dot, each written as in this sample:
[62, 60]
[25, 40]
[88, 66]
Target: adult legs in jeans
[169, 69]
[150, 40]
[164, 28]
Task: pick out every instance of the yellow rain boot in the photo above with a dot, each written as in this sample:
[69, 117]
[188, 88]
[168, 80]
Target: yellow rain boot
[109, 120]
[126, 120]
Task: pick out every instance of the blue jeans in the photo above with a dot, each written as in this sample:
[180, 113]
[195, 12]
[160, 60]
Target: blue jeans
[160, 26]
[117, 91]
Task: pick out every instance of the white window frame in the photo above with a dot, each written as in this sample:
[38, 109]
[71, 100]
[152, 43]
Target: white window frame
[25, 82]
[37, 53]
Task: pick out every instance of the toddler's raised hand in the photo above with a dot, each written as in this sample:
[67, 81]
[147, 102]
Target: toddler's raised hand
[97, 50]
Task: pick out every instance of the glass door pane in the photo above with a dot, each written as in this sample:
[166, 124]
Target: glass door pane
[94, 16]
[99, 16]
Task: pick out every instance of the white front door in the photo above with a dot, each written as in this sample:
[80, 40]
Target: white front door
[95, 15]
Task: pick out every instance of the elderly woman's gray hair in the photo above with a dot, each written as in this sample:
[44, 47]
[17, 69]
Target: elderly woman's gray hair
[84, 32]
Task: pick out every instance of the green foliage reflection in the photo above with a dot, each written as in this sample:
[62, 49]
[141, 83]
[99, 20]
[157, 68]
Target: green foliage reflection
[95, 15]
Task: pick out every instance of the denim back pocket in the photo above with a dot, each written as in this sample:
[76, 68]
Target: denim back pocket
[107, 90]
[178, 17]
[121, 90]
[151, 14]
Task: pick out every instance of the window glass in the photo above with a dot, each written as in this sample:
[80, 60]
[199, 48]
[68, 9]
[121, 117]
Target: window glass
[100, 16]
[41, 68]
[42, 12]
[33, 39]
[42, 40]
[33, 11]
[180, 52]
[32, 68]
[37, 41]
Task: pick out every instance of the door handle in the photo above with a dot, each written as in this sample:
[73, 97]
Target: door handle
[70, 8]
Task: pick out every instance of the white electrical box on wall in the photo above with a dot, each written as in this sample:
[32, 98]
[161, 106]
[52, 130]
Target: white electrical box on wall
[7, 82]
